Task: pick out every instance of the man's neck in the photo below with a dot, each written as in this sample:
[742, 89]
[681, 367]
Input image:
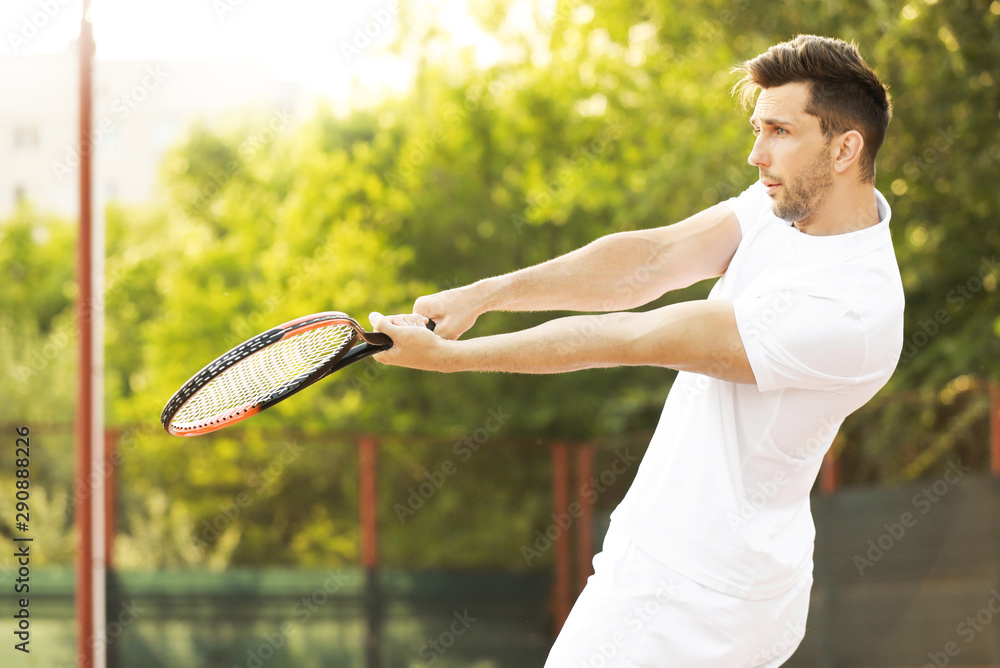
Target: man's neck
[845, 210]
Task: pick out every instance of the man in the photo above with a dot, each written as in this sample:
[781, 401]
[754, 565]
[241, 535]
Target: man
[708, 561]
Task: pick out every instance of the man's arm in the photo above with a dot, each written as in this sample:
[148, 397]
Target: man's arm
[616, 272]
[698, 336]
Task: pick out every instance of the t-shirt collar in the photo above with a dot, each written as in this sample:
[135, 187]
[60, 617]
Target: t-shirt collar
[852, 243]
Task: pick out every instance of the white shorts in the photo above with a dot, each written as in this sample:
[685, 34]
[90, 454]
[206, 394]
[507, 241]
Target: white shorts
[637, 613]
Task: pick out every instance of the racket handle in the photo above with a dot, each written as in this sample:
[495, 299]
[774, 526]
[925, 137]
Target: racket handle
[365, 350]
[383, 341]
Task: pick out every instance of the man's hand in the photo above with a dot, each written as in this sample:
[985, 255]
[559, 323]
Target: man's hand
[413, 345]
[454, 312]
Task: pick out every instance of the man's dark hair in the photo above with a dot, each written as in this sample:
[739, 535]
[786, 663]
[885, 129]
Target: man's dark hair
[845, 94]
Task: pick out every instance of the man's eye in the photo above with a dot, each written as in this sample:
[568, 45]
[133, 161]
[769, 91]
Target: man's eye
[780, 131]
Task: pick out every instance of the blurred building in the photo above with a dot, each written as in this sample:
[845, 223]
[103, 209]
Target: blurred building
[141, 108]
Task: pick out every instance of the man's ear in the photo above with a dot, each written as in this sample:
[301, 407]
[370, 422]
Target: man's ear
[847, 150]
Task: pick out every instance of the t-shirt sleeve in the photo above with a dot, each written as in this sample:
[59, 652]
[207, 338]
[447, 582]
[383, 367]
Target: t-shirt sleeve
[749, 206]
[796, 340]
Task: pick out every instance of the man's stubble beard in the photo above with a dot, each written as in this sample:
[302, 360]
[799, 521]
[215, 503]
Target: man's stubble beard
[804, 195]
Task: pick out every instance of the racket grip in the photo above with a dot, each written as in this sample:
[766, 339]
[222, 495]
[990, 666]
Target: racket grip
[366, 349]
[383, 341]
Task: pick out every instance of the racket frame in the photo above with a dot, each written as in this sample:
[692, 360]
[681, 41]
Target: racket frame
[348, 353]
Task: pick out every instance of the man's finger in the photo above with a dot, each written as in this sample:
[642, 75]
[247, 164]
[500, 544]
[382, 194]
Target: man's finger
[379, 322]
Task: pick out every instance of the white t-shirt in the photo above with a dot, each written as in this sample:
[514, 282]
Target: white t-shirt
[722, 494]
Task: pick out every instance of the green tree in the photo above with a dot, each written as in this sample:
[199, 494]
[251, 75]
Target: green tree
[607, 116]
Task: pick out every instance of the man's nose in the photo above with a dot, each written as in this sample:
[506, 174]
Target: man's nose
[758, 156]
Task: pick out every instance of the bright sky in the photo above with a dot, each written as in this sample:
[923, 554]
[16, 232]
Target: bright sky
[321, 42]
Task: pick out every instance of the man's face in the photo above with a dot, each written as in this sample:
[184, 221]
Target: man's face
[791, 153]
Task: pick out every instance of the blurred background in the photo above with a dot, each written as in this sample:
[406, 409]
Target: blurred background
[258, 160]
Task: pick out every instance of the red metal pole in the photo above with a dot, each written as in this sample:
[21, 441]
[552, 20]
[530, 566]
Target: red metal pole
[585, 534]
[368, 472]
[560, 504]
[369, 519]
[995, 428]
[84, 404]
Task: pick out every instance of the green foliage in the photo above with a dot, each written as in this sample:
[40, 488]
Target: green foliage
[37, 319]
[613, 116]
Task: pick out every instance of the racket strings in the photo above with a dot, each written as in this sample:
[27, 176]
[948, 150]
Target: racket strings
[260, 375]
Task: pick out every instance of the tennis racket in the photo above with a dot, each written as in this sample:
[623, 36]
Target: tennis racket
[269, 368]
